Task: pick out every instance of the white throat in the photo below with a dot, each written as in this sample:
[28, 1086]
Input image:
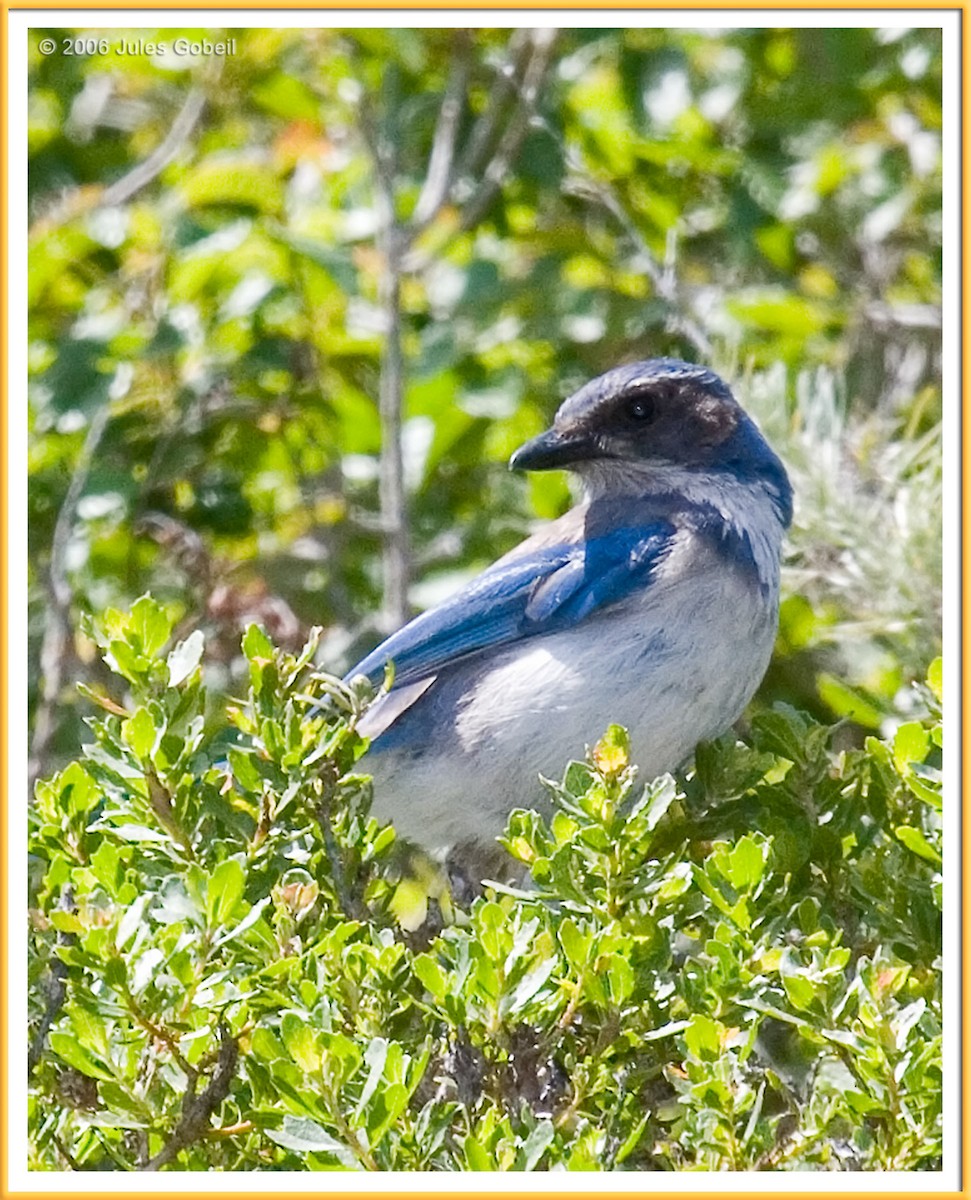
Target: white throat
[748, 507]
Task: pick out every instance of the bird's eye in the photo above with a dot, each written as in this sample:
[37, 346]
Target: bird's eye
[641, 408]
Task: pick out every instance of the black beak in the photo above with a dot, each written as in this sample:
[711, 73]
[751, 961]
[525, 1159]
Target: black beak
[550, 450]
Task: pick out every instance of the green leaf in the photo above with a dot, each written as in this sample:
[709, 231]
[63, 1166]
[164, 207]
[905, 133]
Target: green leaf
[529, 985]
[77, 791]
[300, 1042]
[336, 262]
[256, 645]
[128, 662]
[139, 732]
[935, 678]
[778, 312]
[846, 701]
[746, 864]
[233, 182]
[477, 1158]
[67, 922]
[492, 925]
[266, 1046]
[800, 989]
[910, 744]
[288, 97]
[783, 731]
[244, 769]
[535, 1145]
[184, 659]
[915, 841]
[224, 889]
[106, 864]
[375, 1057]
[131, 919]
[151, 625]
[630, 1143]
[620, 978]
[409, 904]
[130, 832]
[702, 1036]
[576, 945]
[247, 923]
[431, 975]
[307, 1137]
[69, 1050]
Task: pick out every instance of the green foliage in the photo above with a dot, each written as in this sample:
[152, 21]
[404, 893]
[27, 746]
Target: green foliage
[738, 969]
[785, 182]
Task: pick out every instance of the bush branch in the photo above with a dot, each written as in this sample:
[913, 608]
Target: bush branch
[197, 1110]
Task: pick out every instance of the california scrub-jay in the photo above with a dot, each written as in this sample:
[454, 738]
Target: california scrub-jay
[653, 603]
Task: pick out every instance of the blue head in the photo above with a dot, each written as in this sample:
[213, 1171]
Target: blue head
[664, 421]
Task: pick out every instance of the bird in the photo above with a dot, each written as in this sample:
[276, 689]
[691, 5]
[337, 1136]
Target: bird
[652, 603]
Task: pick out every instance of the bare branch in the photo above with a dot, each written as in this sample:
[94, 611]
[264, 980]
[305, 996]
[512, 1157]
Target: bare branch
[57, 627]
[903, 316]
[486, 129]
[71, 1161]
[351, 905]
[540, 43]
[383, 157]
[197, 1110]
[396, 551]
[496, 171]
[394, 239]
[122, 190]
[78, 201]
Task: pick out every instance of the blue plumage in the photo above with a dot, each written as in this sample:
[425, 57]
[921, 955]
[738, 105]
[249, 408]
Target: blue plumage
[526, 594]
[652, 603]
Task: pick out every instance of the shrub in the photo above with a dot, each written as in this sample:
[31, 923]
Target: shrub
[735, 969]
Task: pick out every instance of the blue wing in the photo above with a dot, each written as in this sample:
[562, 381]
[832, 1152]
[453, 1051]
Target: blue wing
[538, 588]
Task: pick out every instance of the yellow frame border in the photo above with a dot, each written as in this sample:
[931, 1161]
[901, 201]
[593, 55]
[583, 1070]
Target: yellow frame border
[875, 6]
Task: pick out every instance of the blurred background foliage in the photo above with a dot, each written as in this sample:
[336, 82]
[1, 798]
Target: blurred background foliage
[255, 276]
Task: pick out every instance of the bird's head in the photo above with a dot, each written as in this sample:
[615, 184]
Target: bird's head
[657, 423]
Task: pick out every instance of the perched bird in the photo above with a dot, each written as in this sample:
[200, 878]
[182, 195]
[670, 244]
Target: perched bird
[653, 603]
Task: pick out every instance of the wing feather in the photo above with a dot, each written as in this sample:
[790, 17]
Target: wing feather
[537, 589]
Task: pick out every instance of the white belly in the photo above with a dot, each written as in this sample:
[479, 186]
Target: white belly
[676, 669]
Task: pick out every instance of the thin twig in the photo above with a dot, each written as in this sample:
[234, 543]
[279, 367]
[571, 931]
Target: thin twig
[395, 238]
[441, 161]
[663, 277]
[122, 190]
[517, 126]
[66, 1154]
[161, 1035]
[57, 626]
[231, 1130]
[349, 903]
[160, 799]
